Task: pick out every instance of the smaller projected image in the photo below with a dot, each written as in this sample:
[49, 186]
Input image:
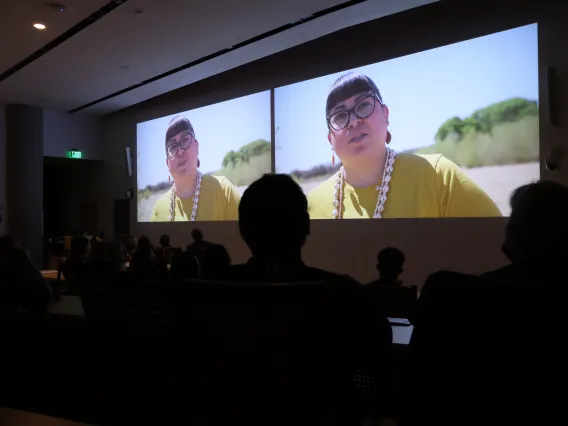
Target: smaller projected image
[194, 166]
[448, 132]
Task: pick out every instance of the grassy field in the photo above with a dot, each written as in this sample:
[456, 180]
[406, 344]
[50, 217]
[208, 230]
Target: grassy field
[507, 143]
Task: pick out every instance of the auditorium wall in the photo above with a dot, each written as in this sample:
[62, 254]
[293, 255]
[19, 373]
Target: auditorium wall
[3, 214]
[63, 132]
[350, 246]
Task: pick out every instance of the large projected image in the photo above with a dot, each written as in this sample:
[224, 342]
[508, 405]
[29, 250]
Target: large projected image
[195, 165]
[448, 132]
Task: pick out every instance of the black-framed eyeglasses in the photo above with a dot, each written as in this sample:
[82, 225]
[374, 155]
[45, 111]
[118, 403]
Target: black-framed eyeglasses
[185, 142]
[339, 120]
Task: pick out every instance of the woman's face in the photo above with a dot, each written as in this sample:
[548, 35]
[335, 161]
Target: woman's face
[361, 136]
[184, 162]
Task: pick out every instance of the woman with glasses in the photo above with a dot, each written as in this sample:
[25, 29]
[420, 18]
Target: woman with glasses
[193, 195]
[374, 181]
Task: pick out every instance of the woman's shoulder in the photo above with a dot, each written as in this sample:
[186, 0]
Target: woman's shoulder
[323, 188]
[426, 161]
[320, 199]
[425, 164]
[216, 183]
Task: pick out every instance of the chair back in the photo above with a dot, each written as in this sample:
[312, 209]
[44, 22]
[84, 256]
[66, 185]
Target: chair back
[496, 337]
[394, 301]
[287, 347]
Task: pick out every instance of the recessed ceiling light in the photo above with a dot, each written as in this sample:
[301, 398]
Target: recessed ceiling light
[124, 67]
[39, 26]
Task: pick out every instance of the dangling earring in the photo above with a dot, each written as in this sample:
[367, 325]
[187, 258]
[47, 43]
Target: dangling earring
[198, 163]
[169, 179]
[332, 157]
[389, 137]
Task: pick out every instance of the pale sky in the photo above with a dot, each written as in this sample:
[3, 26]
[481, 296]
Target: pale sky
[422, 91]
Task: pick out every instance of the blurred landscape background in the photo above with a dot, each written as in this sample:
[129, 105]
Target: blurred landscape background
[497, 146]
[241, 167]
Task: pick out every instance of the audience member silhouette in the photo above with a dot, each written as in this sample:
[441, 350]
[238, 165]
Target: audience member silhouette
[165, 241]
[106, 258]
[97, 238]
[213, 258]
[390, 261]
[164, 252]
[143, 255]
[274, 222]
[21, 284]
[199, 246]
[77, 259]
[215, 262]
[184, 267]
[536, 235]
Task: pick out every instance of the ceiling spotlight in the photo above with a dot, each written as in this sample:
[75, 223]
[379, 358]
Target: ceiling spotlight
[39, 26]
[124, 67]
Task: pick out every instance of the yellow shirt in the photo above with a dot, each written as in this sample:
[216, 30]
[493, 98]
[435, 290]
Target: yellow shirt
[218, 200]
[421, 186]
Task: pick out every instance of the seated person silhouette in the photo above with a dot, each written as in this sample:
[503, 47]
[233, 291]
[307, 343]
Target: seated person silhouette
[185, 267]
[143, 262]
[105, 259]
[215, 262]
[21, 284]
[536, 235]
[274, 222]
[213, 258]
[165, 241]
[76, 261]
[199, 246]
[390, 261]
[164, 251]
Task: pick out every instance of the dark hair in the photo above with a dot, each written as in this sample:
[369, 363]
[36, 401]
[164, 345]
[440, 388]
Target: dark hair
[391, 257]
[144, 242]
[197, 235]
[165, 240]
[348, 85]
[273, 215]
[177, 125]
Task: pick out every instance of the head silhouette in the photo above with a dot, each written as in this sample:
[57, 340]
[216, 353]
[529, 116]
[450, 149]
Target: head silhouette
[390, 262]
[79, 245]
[197, 235]
[538, 225]
[165, 240]
[144, 243]
[273, 217]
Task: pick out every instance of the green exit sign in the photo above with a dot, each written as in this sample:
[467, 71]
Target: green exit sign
[74, 154]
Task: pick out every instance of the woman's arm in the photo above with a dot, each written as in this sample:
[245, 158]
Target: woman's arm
[233, 198]
[461, 196]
